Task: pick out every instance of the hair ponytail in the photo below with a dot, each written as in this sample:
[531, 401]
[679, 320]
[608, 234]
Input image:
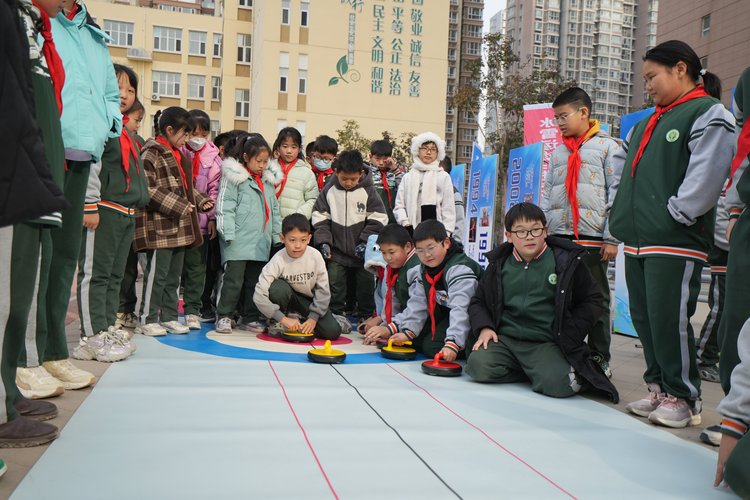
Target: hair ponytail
[673, 51]
[173, 116]
[157, 131]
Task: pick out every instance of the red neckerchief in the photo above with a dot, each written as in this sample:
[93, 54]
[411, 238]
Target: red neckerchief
[432, 298]
[322, 178]
[697, 92]
[259, 181]
[384, 180]
[197, 161]
[177, 156]
[574, 168]
[743, 150]
[54, 63]
[127, 147]
[391, 275]
[70, 15]
[285, 169]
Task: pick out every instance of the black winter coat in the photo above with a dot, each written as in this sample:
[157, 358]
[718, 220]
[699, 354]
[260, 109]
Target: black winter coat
[577, 307]
[27, 190]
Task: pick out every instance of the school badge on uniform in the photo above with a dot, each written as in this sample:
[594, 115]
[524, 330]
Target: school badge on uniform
[552, 278]
[673, 135]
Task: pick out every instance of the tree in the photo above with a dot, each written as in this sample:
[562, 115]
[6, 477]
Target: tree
[349, 137]
[401, 147]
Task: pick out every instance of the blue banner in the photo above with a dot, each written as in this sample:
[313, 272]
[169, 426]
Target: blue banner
[524, 175]
[480, 206]
[458, 176]
[627, 122]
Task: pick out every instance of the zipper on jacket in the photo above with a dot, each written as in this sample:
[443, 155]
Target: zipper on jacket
[346, 221]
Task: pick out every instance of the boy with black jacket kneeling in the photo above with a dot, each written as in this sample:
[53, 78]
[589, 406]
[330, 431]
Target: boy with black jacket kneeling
[533, 308]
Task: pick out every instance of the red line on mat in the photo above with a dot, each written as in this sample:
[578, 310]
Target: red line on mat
[304, 433]
[506, 450]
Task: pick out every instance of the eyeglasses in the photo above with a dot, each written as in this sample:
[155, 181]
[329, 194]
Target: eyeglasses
[564, 117]
[430, 250]
[428, 149]
[524, 233]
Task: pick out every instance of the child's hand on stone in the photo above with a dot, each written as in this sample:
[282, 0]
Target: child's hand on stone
[400, 338]
[375, 333]
[369, 323]
[448, 354]
[291, 325]
[308, 326]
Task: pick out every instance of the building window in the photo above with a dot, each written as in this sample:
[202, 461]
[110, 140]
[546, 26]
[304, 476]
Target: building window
[244, 48]
[197, 43]
[246, 3]
[302, 128]
[283, 71]
[242, 103]
[196, 86]
[166, 84]
[121, 33]
[704, 62]
[473, 48]
[302, 87]
[473, 30]
[464, 151]
[451, 54]
[215, 128]
[474, 13]
[215, 88]
[167, 39]
[304, 14]
[705, 25]
[285, 6]
[218, 41]
[280, 124]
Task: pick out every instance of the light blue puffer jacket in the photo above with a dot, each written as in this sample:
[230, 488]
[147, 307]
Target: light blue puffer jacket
[91, 97]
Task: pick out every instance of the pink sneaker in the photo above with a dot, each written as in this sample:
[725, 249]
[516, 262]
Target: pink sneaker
[644, 407]
[676, 413]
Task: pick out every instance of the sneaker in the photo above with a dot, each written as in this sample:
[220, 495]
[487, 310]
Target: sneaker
[709, 373]
[3, 468]
[207, 317]
[193, 322]
[224, 325]
[151, 330]
[676, 413]
[644, 407]
[107, 347]
[253, 327]
[275, 330]
[711, 435]
[23, 432]
[344, 323]
[126, 320]
[37, 410]
[175, 327]
[603, 364]
[36, 383]
[69, 374]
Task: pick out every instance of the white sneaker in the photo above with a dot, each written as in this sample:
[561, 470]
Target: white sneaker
[224, 325]
[107, 347]
[175, 327]
[193, 322]
[126, 320]
[151, 330]
[69, 374]
[36, 383]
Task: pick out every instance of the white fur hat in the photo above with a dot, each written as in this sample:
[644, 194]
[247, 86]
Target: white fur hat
[420, 139]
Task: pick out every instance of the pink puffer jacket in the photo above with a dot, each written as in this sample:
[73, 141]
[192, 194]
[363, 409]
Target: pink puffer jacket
[207, 179]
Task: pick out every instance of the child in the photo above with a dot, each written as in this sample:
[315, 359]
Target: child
[733, 465]
[532, 311]
[324, 152]
[247, 216]
[309, 149]
[204, 156]
[295, 282]
[426, 190]
[396, 284]
[436, 318]
[169, 223]
[577, 198]
[296, 186]
[117, 187]
[133, 122]
[346, 213]
[681, 156]
[458, 199]
[386, 175]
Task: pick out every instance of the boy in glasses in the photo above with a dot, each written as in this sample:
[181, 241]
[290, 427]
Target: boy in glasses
[578, 193]
[436, 318]
[533, 308]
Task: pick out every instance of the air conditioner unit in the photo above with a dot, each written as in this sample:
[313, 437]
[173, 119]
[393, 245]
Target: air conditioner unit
[138, 54]
[154, 97]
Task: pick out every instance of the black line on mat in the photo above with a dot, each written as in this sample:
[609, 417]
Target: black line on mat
[397, 433]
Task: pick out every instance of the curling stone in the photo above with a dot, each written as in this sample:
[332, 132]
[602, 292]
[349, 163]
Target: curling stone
[391, 351]
[441, 368]
[326, 355]
[297, 337]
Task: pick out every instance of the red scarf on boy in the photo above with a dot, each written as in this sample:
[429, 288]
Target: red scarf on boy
[177, 156]
[322, 177]
[697, 92]
[126, 148]
[743, 150]
[386, 187]
[54, 63]
[285, 169]
[574, 168]
[432, 297]
[259, 181]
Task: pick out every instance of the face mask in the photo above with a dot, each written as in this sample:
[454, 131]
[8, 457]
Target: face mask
[322, 165]
[196, 143]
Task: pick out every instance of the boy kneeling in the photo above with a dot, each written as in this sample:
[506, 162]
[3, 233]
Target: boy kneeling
[533, 308]
[436, 318]
[294, 283]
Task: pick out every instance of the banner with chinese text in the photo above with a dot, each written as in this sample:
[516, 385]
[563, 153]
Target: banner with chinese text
[524, 175]
[539, 125]
[480, 206]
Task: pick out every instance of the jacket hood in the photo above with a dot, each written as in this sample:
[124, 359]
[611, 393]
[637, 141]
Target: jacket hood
[235, 172]
[84, 19]
[365, 180]
[420, 139]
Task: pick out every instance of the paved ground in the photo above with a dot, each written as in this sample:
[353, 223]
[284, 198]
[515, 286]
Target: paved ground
[627, 365]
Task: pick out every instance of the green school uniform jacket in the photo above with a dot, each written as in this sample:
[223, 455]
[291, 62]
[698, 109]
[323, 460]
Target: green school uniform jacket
[667, 207]
[407, 277]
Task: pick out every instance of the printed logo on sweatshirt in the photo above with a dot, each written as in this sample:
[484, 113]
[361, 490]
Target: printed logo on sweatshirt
[673, 135]
[360, 207]
[552, 278]
[298, 279]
